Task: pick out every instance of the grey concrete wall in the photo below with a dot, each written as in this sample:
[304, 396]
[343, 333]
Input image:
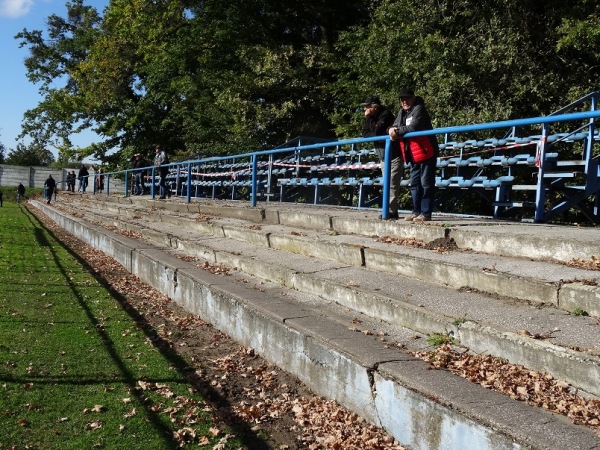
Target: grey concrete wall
[31, 176]
[34, 176]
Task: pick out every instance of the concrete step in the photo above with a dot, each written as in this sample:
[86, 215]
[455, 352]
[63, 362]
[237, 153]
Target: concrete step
[403, 286]
[493, 268]
[422, 408]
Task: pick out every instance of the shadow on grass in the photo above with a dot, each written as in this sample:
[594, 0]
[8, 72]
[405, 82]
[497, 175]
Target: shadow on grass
[222, 411]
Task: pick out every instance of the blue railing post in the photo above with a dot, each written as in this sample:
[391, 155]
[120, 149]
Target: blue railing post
[590, 140]
[385, 195]
[153, 180]
[189, 183]
[126, 183]
[254, 179]
[540, 195]
[107, 185]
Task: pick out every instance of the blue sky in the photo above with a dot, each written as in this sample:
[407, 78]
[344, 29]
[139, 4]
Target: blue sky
[17, 94]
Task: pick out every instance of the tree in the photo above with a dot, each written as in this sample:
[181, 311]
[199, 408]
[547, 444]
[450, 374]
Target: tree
[2, 153]
[225, 77]
[32, 155]
[213, 77]
[53, 58]
[494, 62]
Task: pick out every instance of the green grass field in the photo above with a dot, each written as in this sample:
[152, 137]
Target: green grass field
[76, 372]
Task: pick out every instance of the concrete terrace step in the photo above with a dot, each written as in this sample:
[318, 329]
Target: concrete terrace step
[399, 387]
[484, 324]
[492, 269]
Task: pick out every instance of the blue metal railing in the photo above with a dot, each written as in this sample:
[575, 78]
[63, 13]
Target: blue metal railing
[253, 158]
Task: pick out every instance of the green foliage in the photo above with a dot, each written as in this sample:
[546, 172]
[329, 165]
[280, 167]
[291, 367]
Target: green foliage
[472, 65]
[216, 77]
[579, 312]
[54, 56]
[32, 155]
[459, 321]
[437, 339]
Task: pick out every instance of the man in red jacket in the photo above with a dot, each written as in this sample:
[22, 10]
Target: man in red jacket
[421, 152]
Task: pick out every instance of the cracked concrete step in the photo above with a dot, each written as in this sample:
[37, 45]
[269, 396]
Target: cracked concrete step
[568, 288]
[422, 408]
[482, 323]
[533, 241]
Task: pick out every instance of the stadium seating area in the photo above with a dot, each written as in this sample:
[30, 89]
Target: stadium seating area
[509, 174]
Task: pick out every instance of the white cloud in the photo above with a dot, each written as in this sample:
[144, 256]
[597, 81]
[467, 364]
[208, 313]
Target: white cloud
[15, 8]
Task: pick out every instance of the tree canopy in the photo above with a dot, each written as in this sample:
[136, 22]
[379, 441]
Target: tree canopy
[225, 77]
[32, 155]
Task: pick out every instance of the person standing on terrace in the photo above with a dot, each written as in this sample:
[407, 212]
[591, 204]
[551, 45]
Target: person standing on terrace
[137, 162]
[160, 161]
[377, 121]
[83, 178]
[421, 152]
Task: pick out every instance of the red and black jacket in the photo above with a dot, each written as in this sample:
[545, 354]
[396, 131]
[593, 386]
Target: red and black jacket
[421, 148]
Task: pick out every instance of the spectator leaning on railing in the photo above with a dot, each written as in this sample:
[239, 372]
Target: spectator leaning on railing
[377, 121]
[137, 162]
[421, 152]
[160, 161]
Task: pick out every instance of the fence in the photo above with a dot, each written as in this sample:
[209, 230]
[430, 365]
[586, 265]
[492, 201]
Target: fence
[539, 168]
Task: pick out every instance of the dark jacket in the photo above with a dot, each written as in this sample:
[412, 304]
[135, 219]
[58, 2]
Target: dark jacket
[139, 163]
[416, 119]
[378, 126]
[83, 173]
[50, 183]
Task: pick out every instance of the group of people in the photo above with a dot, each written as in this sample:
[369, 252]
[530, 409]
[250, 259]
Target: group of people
[419, 152]
[161, 161]
[82, 176]
[50, 185]
[20, 194]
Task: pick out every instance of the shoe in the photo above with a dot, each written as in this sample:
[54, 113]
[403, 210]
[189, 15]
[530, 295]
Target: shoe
[162, 197]
[410, 217]
[48, 202]
[421, 218]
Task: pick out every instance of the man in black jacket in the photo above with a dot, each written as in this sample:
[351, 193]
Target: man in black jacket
[377, 121]
[137, 162]
[83, 176]
[421, 152]
[50, 186]
[160, 161]
[20, 192]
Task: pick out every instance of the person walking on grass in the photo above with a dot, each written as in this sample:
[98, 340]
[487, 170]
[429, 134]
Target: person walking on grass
[20, 192]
